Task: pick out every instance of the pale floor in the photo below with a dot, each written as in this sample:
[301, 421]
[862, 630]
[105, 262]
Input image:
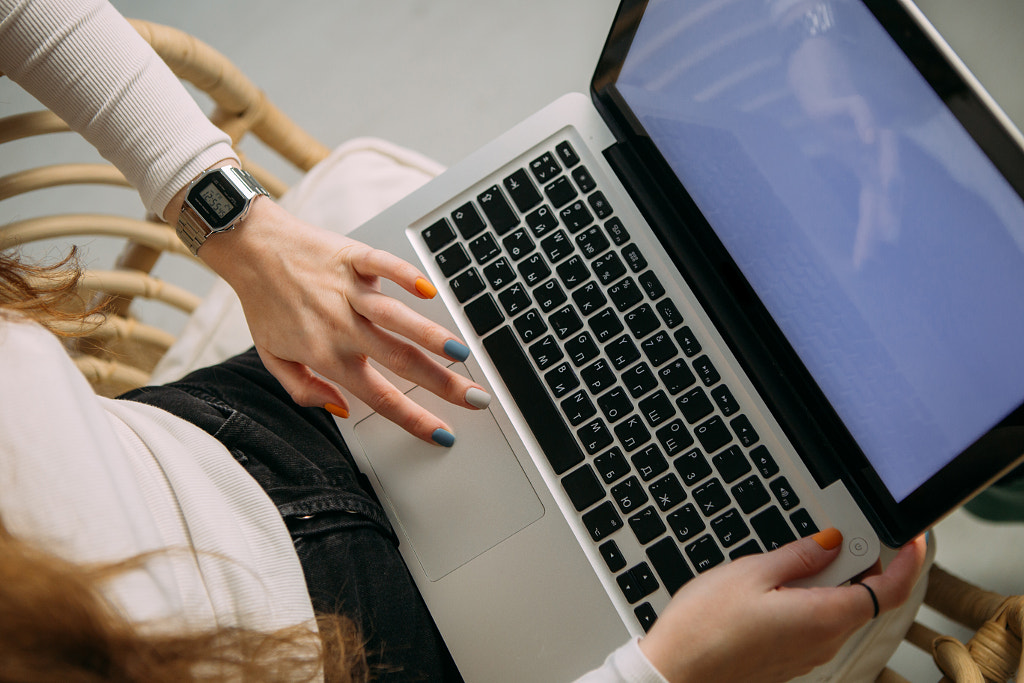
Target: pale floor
[444, 76]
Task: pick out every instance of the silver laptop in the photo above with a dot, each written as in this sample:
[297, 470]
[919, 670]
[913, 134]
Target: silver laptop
[765, 280]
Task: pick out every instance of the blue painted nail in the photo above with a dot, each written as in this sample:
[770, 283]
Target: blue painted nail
[443, 437]
[456, 350]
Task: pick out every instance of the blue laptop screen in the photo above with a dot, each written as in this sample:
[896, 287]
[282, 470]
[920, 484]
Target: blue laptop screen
[883, 241]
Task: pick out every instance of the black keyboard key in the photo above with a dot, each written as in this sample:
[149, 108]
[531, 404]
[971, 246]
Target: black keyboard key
[652, 285]
[499, 273]
[629, 495]
[530, 326]
[484, 248]
[744, 431]
[484, 314]
[649, 463]
[583, 487]
[667, 492]
[711, 497]
[656, 408]
[514, 300]
[770, 526]
[674, 437]
[687, 342]
[712, 434]
[522, 190]
[605, 325]
[731, 464]
[730, 528]
[625, 294]
[637, 583]
[533, 269]
[589, 298]
[685, 522]
[615, 404]
[581, 348]
[764, 462]
[646, 525]
[613, 557]
[611, 465]
[573, 272]
[725, 401]
[467, 285]
[659, 348]
[498, 210]
[598, 376]
[576, 216]
[617, 231]
[805, 526]
[608, 268]
[706, 370]
[467, 219]
[749, 548]
[438, 234]
[578, 408]
[549, 295]
[518, 244]
[560, 191]
[556, 246]
[602, 521]
[567, 154]
[595, 436]
[452, 260]
[545, 167]
[592, 242]
[632, 433]
[546, 352]
[669, 313]
[784, 493]
[599, 205]
[583, 179]
[634, 258]
[692, 466]
[642, 321]
[669, 564]
[561, 379]
[541, 221]
[639, 379]
[565, 321]
[622, 352]
[528, 390]
[695, 405]
[645, 616]
[677, 376]
[704, 554]
[750, 494]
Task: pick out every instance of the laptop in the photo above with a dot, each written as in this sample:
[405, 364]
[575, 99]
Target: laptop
[764, 280]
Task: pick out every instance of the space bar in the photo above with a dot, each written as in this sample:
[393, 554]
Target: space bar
[533, 401]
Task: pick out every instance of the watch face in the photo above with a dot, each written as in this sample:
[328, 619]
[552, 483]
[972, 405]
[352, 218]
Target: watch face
[216, 200]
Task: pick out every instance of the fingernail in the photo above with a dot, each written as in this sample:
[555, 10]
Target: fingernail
[456, 350]
[336, 410]
[828, 539]
[443, 437]
[478, 398]
[425, 288]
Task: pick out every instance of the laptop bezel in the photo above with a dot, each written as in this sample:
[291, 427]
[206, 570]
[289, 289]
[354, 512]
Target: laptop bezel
[793, 396]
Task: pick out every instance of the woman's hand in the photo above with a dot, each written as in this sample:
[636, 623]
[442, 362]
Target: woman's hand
[740, 622]
[314, 307]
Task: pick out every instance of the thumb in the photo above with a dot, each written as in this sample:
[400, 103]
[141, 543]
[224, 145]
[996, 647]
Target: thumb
[305, 387]
[803, 558]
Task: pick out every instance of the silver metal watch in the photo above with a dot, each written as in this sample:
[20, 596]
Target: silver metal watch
[215, 202]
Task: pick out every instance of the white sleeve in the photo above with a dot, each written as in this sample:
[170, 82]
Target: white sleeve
[85, 62]
[625, 665]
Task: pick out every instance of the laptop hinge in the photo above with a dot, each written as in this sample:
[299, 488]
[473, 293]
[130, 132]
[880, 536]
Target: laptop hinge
[722, 291]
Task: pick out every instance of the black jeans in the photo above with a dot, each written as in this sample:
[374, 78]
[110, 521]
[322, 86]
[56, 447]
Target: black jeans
[348, 550]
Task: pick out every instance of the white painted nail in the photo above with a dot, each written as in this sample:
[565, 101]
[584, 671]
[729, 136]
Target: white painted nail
[478, 398]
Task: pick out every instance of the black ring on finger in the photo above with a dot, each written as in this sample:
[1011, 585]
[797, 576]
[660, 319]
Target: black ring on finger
[874, 598]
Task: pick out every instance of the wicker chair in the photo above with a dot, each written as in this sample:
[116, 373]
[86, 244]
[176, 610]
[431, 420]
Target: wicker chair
[119, 352]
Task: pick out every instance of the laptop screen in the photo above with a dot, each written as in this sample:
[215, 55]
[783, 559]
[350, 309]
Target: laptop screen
[883, 241]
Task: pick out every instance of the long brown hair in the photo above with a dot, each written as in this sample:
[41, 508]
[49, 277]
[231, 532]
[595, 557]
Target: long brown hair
[57, 626]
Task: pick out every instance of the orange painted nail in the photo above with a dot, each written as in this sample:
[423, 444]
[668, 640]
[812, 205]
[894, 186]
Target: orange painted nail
[336, 410]
[828, 539]
[425, 288]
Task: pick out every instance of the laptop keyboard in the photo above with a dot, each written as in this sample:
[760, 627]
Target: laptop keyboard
[630, 412]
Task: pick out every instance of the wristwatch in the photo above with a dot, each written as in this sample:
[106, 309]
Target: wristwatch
[215, 202]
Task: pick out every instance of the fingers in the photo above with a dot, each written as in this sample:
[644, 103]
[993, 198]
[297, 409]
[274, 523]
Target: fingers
[893, 586]
[391, 314]
[372, 262]
[304, 386]
[803, 558]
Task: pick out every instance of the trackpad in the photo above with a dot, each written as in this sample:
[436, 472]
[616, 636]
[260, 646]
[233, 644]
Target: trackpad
[452, 503]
